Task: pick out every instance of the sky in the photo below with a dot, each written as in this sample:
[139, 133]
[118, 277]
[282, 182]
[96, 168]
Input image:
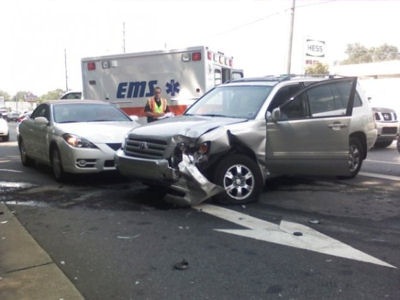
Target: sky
[43, 41]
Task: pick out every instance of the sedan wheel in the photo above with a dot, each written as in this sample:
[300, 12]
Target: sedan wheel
[240, 177]
[25, 159]
[56, 165]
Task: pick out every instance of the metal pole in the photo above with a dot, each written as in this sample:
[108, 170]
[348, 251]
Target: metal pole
[289, 62]
[66, 70]
[123, 37]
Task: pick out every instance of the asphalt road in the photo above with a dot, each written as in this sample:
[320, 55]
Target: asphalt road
[116, 239]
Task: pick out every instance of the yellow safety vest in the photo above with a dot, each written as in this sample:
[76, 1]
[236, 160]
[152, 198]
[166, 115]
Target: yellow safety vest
[155, 108]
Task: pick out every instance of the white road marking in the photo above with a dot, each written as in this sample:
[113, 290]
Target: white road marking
[383, 162]
[10, 170]
[381, 176]
[283, 234]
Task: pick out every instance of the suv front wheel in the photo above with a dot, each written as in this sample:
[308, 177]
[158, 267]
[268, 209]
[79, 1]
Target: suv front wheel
[240, 177]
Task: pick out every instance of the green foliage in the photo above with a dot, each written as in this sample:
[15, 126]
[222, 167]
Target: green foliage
[52, 95]
[5, 95]
[20, 96]
[317, 69]
[358, 54]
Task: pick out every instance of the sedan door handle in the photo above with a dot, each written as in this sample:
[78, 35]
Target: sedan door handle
[337, 126]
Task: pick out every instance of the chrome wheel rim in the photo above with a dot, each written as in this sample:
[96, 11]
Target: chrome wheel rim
[354, 158]
[238, 182]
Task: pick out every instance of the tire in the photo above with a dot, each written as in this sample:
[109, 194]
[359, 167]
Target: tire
[383, 144]
[355, 158]
[25, 159]
[6, 138]
[240, 177]
[56, 165]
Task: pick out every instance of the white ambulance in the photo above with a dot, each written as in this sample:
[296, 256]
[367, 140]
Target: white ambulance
[128, 80]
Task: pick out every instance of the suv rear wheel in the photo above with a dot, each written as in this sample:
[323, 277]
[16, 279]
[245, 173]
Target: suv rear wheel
[355, 157]
[240, 177]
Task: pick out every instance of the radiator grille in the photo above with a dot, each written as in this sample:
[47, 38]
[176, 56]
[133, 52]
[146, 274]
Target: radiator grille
[145, 148]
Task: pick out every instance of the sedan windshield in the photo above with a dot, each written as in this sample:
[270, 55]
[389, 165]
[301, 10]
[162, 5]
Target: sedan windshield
[84, 112]
[231, 101]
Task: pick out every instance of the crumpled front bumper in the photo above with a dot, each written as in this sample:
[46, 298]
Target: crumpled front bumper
[192, 186]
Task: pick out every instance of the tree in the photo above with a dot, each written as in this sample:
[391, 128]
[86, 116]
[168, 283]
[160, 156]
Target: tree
[317, 69]
[52, 95]
[358, 54]
[5, 95]
[20, 96]
[385, 52]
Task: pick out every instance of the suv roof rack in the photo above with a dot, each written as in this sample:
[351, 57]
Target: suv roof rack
[285, 77]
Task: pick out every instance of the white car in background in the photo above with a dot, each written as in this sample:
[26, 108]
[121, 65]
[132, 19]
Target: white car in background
[4, 132]
[73, 136]
[387, 124]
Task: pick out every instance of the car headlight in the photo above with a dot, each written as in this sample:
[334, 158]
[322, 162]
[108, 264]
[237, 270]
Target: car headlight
[197, 153]
[77, 141]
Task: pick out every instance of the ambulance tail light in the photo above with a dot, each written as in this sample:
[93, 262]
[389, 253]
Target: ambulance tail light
[209, 55]
[91, 66]
[196, 56]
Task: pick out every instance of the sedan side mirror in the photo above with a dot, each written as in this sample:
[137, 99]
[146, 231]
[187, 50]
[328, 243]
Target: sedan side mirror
[134, 118]
[41, 120]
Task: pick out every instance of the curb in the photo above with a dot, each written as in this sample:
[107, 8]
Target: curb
[26, 270]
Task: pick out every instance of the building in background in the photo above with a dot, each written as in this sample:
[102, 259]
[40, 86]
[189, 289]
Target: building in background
[380, 80]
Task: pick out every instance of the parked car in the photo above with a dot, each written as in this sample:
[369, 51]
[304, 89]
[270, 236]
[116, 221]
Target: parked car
[20, 118]
[4, 130]
[242, 132]
[387, 125]
[398, 144]
[72, 95]
[3, 112]
[12, 116]
[73, 136]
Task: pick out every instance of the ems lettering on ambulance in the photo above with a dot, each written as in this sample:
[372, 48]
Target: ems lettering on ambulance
[136, 89]
[140, 89]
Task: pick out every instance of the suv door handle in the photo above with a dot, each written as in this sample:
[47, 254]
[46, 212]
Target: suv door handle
[337, 126]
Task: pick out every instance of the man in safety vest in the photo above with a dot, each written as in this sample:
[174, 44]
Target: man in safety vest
[156, 106]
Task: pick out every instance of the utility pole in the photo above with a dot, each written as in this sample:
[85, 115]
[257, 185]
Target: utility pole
[66, 70]
[123, 37]
[289, 62]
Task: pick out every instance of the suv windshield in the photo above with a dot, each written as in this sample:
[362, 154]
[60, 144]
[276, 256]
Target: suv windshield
[236, 101]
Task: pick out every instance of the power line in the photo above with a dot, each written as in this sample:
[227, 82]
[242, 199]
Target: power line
[281, 12]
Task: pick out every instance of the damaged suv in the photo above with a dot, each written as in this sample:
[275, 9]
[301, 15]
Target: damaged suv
[242, 132]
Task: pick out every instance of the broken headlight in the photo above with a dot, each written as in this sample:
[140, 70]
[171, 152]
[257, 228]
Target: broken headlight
[197, 153]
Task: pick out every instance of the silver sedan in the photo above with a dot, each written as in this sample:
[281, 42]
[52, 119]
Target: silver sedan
[73, 136]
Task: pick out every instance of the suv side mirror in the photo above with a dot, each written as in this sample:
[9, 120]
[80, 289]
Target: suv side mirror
[276, 115]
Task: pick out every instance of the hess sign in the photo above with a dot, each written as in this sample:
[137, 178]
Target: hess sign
[315, 48]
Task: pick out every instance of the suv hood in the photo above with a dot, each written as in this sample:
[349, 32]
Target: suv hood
[190, 126]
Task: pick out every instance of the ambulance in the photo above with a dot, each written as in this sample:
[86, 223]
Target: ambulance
[129, 79]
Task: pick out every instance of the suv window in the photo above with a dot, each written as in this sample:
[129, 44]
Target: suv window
[283, 95]
[320, 101]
